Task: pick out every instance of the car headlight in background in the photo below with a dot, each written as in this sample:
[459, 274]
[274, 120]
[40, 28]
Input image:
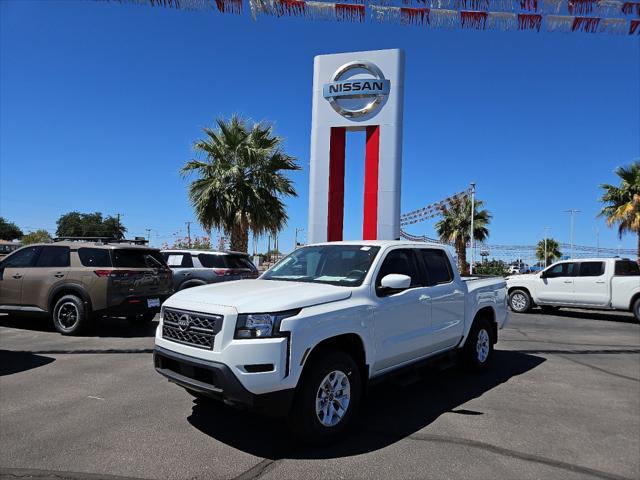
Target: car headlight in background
[261, 325]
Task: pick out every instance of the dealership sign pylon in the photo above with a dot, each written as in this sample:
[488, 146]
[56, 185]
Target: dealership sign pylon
[360, 91]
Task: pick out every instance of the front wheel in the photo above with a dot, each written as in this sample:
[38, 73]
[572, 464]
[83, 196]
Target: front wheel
[519, 301]
[328, 398]
[70, 315]
[477, 352]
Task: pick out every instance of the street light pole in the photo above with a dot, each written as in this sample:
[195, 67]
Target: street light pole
[572, 212]
[473, 201]
[295, 240]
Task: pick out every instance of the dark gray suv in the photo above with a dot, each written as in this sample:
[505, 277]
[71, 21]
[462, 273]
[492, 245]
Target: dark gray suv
[192, 268]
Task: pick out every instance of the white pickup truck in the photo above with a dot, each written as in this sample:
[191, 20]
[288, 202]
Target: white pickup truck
[306, 338]
[599, 283]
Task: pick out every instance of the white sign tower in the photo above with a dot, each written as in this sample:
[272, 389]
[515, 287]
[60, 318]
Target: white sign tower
[361, 91]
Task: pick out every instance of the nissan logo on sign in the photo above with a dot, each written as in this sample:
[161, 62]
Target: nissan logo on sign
[359, 94]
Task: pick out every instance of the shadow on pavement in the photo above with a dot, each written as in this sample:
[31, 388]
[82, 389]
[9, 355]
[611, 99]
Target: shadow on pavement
[603, 316]
[111, 327]
[391, 412]
[16, 362]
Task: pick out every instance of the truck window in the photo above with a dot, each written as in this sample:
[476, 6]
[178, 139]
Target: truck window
[627, 268]
[566, 269]
[403, 262]
[53, 257]
[591, 269]
[94, 257]
[437, 265]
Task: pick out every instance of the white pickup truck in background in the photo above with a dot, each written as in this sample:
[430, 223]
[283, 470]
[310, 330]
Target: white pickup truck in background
[306, 338]
[599, 283]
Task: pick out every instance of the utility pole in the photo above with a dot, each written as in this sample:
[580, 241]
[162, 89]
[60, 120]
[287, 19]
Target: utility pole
[118, 219]
[597, 242]
[546, 235]
[572, 212]
[188, 224]
[148, 230]
[473, 201]
[295, 240]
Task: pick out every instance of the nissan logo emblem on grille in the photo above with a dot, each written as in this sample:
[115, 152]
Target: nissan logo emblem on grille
[183, 322]
[356, 96]
[190, 328]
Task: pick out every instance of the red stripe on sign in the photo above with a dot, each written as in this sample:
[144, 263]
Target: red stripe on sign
[372, 157]
[336, 184]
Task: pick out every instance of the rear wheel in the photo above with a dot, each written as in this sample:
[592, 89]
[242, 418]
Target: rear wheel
[70, 315]
[519, 301]
[636, 309]
[328, 398]
[477, 352]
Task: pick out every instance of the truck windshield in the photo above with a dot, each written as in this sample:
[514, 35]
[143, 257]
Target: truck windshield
[342, 265]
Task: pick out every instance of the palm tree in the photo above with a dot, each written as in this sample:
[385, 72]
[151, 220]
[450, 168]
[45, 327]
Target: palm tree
[241, 180]
[622, 204]
[456, 223]
[552, 248]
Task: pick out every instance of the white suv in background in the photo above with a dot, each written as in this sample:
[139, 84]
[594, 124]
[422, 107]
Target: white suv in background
[599, 283]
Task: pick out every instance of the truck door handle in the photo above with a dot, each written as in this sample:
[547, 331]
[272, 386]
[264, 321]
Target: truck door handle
[17, 276]
[568, 281]
[424, 298]
[600, 281]
[58, 274]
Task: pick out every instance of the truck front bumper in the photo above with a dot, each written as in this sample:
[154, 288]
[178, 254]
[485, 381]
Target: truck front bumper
[216, 380]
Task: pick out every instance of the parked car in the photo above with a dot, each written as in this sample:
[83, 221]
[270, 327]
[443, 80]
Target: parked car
[306, 338]
[515, 269]
[599, 283]
[192, 268]
[76, 281]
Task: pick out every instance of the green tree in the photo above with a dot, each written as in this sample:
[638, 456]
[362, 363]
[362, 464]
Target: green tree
[455, 225]
[622, 203]
[241, 180]
[76, 224]
[9, 230]
[39, 236]
[552, 249]
[491, 267]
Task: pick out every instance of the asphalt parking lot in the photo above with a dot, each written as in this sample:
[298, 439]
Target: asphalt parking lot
[562, 401]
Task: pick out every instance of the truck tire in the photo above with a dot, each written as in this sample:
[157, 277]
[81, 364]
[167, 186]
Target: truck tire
[328, 398]
[70, 315]
[477, 352]
[519, 301]
[636, 309]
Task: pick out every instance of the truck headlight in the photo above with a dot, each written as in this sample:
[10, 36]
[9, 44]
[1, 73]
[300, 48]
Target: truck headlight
[261, 325]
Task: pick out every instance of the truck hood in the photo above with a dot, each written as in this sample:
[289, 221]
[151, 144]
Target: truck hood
[256, 296]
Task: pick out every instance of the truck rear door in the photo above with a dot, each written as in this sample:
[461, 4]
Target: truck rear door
[447, 294]
[590, 286]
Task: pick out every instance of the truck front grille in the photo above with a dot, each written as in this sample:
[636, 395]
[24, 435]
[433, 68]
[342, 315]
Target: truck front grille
[190, 328]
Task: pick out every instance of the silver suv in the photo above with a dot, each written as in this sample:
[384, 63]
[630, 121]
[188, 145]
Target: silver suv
[192, 268]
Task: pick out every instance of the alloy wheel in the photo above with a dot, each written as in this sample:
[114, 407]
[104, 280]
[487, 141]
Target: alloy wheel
[332, 398]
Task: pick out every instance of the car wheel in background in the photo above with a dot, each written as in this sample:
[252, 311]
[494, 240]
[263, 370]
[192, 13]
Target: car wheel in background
[519, 301]
[70, 315]
[191, 284]
[328, 398]
[636, 309]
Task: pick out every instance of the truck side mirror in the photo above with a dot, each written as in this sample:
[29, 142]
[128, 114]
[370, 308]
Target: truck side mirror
[543, 274]
[394, 282]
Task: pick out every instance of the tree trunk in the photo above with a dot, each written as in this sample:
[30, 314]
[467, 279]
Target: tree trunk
[461, 251]
[240, 238]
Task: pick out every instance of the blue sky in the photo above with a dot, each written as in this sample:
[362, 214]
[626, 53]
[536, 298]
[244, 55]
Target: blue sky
[100, 104]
